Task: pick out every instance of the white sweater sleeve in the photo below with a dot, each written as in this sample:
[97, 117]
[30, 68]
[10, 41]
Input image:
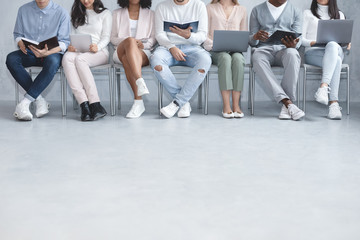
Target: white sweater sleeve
[306, 24]
[200, 36]
[106, 30]
[160, 34]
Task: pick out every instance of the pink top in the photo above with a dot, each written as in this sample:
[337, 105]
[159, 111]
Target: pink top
[121, 27]
[218, 21]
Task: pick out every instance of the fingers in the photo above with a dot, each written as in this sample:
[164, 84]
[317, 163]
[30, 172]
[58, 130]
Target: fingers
[23, 49]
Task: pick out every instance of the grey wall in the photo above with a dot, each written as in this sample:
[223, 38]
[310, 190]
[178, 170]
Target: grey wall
[8, 16]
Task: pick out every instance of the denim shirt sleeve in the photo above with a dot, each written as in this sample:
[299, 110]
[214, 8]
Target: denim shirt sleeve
[64, 32]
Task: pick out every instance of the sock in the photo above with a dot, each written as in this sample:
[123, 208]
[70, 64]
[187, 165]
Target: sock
[39, 97]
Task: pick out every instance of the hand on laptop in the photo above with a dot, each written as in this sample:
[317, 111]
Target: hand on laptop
[290, 42]
[185, 33]
[261, 36]
[348, 46]
[71, 48]
[178, 54]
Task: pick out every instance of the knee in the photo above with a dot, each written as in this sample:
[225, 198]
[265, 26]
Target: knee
[130, 42]
[79, 60]
[331, 45]
[291, 54]
[158, 68]
[201, 70]
[224, 58]
[11, 59]
[238, 59]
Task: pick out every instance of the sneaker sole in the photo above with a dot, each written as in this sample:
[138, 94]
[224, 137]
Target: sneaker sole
[298, 116]
[40, 115]
[133, 117]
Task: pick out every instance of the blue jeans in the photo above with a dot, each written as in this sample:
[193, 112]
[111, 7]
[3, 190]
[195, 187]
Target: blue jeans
[196, 58]
[17, 61]
[330, 59]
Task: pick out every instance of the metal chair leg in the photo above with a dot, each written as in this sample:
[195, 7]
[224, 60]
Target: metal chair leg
[63, 93]
[304, 89]
[348, 90]
[206, 90]
[200, 94]
[252, 92]
[118, 79]
[111, 87]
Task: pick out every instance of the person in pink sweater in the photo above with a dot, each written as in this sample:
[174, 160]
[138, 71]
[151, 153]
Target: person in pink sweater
[228, 15]
[134, 38]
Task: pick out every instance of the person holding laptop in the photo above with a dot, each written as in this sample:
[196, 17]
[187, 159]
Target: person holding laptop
[133, 36]
[180, 47]
[88, 17]
[329, 57]
[37, 20]
[265, 19]
[228, 15]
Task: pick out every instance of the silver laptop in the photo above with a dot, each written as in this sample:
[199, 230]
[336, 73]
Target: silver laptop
[339, 31]
[230, 41]
[81, 42]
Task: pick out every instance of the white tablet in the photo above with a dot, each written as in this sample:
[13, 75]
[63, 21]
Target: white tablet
[81, 42]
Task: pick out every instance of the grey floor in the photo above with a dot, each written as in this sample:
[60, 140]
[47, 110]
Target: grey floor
[201, 178]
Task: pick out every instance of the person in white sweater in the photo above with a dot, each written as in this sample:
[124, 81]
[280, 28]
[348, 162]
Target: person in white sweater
[329, 57]
[88, 17]
[180, 47]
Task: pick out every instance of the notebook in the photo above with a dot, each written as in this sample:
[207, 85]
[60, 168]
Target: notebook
[51, 43]
[230, 41]
[183, 25]
[81, 42]
[276, 37]
[339, 31]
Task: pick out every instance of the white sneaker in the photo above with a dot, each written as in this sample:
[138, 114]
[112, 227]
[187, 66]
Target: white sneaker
[141, 87]
[22, 112]
[136, 110]
[42, 107]
[170, 110]
[335, 111]
[322, 95]
[284, 114]
[184, 111]
[295, 112]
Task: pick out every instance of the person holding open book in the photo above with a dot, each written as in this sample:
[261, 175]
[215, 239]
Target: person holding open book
[88, 17]
[228, 15]
[133, 36]
[180, 28]
[265, 19]
[329, 57]
[38, 21]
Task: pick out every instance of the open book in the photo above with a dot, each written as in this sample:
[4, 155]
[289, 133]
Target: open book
[51, 43]
[276, 37]
[184, 25]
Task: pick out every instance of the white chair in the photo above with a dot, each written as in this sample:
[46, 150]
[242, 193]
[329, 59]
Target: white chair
[35, 70]
[313, 70]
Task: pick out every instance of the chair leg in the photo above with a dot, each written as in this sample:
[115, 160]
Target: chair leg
[206, 90]
[348, 90]
[252, 92]
[200, 94]
[249, 88]
[75, 104]
[111, 87]
[63, 93]
[160, 95]
[298, 91]
[118, 79]
[304, 89]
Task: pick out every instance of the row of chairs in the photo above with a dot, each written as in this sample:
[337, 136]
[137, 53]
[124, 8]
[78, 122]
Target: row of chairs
[115, 72]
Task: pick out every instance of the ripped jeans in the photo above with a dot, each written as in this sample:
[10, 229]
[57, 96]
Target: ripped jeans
[196, 58]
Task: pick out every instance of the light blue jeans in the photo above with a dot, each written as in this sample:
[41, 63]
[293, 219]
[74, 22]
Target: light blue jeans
[196, 58]
[330, 59]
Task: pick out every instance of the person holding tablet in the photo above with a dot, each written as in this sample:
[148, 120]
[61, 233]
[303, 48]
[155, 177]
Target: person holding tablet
[228, 15]
[180, 47]
[265, 19]
[134, 38]
[88, 17]
[329, 57]
[37, 20]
